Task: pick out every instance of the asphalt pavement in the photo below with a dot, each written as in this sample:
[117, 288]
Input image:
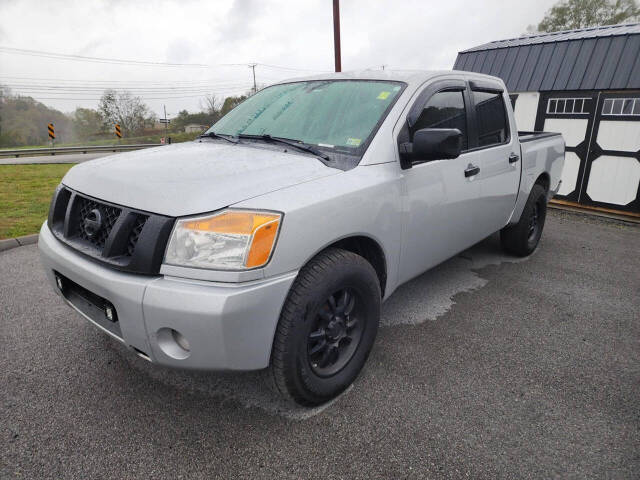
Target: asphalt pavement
[486, 367]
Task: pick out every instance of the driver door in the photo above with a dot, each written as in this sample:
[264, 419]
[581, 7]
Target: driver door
[440, 195]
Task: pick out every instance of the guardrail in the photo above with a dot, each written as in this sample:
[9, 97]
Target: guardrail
[21, 152]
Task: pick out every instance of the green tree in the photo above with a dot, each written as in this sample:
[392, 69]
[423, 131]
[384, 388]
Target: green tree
[128, 111]
[185, 118]
[230, 103]
[572, 14]
[87, 123]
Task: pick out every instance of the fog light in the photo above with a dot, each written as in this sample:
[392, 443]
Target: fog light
[59, 283]
[181, 340]
[173, 343]
[108, 312]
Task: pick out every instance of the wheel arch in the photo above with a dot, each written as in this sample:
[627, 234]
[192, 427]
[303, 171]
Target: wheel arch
[544, 180]
[368, 248]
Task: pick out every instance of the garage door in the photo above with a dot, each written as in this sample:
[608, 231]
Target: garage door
[602, 133]
[612, 174]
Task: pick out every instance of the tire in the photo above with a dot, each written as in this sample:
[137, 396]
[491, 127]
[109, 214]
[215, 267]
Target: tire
[316, 310]
[522, 238]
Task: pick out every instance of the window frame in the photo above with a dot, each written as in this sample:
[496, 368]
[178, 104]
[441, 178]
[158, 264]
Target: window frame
[611, 101]
[474, 130]
[445, 89]
[466, 86]
[424, 96]
[574, 101]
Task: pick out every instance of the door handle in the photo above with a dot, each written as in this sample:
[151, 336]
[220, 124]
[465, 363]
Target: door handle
[471, 170]
[513, 158]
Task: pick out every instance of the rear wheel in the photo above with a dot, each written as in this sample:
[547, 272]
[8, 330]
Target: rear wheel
[327, 327]
[522, 238]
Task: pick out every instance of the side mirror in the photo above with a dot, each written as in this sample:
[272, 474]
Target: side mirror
[432, 144]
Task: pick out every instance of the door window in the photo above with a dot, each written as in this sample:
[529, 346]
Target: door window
[444, 110]
[491, 116]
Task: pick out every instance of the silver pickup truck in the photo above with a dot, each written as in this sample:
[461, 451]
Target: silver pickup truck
[272, 240]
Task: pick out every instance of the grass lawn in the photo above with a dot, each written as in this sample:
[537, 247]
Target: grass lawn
[25, 193]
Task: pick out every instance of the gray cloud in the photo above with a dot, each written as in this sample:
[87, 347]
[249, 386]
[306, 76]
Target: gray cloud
[298, 34]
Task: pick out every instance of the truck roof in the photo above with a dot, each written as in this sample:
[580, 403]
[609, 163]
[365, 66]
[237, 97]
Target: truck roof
[411, 77]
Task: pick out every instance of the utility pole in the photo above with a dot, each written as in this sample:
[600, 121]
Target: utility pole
[253, 67]
[166, 124]
[383, 66]
[336, 34]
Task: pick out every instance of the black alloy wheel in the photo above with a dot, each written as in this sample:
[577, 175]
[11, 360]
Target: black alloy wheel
[335, 333]
[522, 238]
[327, 327]
[533, 222]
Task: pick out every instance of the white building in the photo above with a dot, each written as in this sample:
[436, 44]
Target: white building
[194, 127]
[585, 84]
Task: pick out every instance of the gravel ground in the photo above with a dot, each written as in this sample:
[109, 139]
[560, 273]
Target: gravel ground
[485, 367]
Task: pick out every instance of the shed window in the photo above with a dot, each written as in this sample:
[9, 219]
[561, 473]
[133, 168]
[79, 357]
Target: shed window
[569, 106]
[621, 106]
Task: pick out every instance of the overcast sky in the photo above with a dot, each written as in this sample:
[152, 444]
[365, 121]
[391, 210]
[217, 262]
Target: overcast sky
[298, 35]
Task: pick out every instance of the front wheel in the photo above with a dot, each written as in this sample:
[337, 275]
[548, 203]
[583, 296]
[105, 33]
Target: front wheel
[327, 327]
[522, 238]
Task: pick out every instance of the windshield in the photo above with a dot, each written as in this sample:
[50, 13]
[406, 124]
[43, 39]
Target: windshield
[335, 114]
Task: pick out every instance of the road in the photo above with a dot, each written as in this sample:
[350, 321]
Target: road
[486, 367]
[63, 158]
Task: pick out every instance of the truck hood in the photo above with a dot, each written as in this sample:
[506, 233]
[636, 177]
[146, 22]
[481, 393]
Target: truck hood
[192, 177]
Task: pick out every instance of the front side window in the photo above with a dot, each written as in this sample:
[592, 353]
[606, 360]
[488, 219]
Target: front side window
[491, 117]
[338, 115]
[444, 110]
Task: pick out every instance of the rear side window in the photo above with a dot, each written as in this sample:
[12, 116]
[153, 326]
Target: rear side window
[444, 110]
[491, 116]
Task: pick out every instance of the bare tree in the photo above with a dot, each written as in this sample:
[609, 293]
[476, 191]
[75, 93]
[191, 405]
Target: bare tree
[125, 109]
[209, 105]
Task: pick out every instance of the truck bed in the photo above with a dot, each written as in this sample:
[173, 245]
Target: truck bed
[541, 153]
[525, 136]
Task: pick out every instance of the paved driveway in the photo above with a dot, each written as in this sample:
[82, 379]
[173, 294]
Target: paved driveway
[485, 367]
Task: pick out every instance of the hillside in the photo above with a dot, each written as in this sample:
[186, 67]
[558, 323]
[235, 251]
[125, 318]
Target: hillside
[23, 121]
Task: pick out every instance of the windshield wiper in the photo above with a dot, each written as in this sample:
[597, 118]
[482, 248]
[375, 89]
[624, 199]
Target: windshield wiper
[228, 138]
[288, 141]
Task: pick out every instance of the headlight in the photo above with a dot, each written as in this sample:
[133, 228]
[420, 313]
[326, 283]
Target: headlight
[230, 240]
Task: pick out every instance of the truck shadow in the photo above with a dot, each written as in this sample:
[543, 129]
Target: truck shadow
[424, 298]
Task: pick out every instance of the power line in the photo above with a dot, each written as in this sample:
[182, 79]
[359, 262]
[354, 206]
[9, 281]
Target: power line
[84, 58]
[62, 89]
[98, 98]
[100, 83]
[295, 69]
[153, 95]
[76, 80]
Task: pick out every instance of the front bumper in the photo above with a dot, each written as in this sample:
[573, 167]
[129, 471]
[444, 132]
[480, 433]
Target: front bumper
[228, 326]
